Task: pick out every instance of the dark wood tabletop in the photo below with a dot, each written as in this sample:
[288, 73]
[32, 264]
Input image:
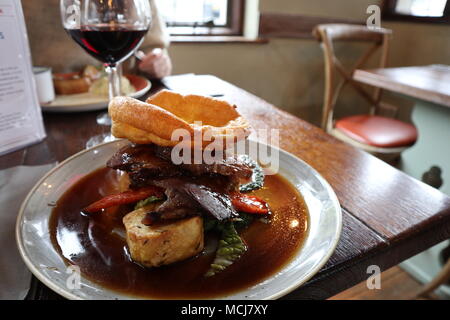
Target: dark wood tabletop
[387, 215]
[429, 83]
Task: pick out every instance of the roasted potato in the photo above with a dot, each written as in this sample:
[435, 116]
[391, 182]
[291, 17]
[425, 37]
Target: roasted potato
[153, 246]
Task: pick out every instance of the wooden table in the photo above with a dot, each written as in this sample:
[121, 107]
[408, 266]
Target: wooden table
[429, 83]
[387, 215]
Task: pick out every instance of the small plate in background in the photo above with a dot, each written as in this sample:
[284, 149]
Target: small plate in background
[83, 102]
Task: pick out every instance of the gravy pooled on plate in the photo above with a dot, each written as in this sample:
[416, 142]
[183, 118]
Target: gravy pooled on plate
[96, 243]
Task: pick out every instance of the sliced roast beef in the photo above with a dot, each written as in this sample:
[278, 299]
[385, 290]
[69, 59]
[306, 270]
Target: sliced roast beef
[217, 204]
[148, 162]
[226, 166]
[142, 165]
[179, 203]
[132, 158]
[190, 188]
[185, 198]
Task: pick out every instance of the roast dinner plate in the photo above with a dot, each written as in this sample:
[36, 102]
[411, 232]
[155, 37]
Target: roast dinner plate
[37, 250]
[83, 102]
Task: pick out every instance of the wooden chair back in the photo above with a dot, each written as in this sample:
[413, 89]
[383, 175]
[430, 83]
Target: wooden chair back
[327, 35]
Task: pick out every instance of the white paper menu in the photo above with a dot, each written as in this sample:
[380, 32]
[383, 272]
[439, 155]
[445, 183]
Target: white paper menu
[20, 114]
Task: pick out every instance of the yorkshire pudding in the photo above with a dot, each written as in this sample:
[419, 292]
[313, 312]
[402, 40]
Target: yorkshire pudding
[155, 120]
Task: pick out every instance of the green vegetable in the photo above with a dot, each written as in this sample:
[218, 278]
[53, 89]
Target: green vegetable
[243, 221]
[209, 223]
[257, 179]
[231, 247]
[146, 202]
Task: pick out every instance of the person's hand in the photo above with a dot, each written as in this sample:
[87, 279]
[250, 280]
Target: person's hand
[156, 63]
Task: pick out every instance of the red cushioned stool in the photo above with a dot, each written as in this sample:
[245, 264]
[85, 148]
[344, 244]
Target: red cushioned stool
[378, 131]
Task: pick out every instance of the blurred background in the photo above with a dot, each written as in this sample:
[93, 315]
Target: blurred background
[288, 69]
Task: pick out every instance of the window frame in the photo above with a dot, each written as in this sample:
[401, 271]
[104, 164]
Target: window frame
[390, 14]
[234, 26]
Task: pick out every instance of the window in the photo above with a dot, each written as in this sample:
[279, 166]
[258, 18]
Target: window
[417, 10]
[203, 17]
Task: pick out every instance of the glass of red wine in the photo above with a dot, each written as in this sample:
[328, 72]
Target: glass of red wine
[109, 30]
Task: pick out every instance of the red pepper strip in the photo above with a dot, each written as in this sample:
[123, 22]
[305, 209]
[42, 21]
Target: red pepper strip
[249, 204]
[124, 198]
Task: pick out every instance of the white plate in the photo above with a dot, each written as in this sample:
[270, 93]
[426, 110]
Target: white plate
[36, 248]
[83, 102]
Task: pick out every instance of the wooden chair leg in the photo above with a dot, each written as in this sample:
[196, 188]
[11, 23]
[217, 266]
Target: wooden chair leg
[441, 278]
[433, 178]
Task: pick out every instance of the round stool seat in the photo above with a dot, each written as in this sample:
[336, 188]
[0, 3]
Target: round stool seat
[378, 131]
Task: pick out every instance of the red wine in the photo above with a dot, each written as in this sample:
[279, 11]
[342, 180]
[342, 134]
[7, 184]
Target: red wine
[108, 44]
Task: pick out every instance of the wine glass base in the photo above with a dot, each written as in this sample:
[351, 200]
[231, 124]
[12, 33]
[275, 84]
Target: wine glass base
[104, 119]
[98, 139]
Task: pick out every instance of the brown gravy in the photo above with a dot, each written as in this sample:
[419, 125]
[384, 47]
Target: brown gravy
[101, 254]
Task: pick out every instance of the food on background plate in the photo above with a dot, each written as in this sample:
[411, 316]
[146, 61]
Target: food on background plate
[90, 79]
[71, 83]
[210, 218]
[100, 87]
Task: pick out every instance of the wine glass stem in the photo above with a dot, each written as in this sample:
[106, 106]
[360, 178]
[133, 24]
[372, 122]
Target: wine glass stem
[114, 81]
